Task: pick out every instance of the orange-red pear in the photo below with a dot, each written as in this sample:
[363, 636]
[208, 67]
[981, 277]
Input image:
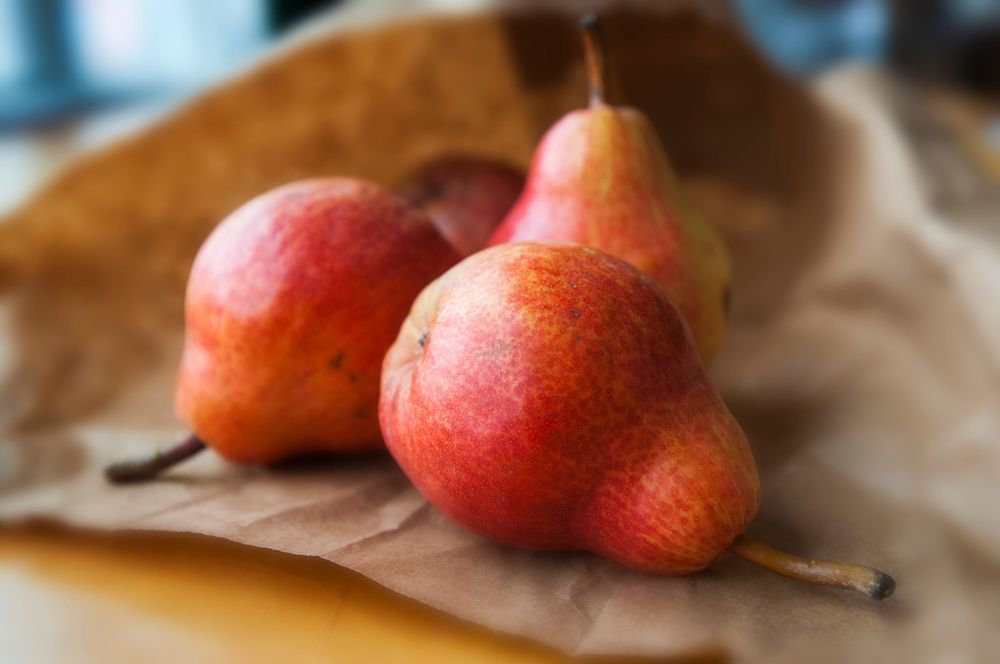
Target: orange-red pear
[599, 177]
[291, 305]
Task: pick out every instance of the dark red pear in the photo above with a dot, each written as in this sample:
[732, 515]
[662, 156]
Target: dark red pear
[465, 196]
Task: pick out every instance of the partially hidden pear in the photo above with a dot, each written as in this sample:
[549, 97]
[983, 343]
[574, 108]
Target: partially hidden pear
[464, 195]
[291, 304]
[551, 397]
[599, 177]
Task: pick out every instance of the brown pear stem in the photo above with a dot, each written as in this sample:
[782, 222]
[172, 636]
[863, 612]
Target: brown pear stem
[143, 468]
[593, 48]
[868, 580]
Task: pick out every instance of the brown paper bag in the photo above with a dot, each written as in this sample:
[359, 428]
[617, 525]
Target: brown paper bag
[863, 361]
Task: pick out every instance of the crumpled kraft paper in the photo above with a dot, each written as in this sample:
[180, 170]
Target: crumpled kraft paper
[863, 362]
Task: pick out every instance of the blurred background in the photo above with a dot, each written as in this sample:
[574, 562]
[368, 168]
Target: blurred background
[62, 57]
[77, 73]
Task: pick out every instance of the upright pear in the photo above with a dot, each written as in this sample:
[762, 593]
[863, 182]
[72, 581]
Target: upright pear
[550, 396]
[291, 304]
[599, 177]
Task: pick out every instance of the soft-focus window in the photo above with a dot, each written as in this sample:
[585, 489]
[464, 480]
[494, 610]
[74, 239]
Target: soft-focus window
[806, 36]
[62, 56]
[13, 56]
[128, 44]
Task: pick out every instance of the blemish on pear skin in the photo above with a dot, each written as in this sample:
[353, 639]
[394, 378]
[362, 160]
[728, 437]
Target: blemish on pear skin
[353, 377]
[575, 313]
[423, 339]
[337, 361]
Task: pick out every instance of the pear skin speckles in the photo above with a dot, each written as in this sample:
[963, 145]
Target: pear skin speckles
[562, 404]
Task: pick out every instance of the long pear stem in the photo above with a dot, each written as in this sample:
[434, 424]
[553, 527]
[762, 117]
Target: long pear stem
[143, 468]
[868, 580]
[593, 48]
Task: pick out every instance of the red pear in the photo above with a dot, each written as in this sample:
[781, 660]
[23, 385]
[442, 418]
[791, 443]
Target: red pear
[466, 197]
[291, 305]
[551, 397]
[600, 177]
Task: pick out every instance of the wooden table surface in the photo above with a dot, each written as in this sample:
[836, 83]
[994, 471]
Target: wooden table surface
[79, 596]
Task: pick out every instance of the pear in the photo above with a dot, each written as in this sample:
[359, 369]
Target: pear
[465, 196]
[291, 304]
[599, 177]
[551, 397]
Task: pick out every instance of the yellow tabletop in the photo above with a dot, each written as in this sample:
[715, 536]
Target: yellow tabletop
[81, 596]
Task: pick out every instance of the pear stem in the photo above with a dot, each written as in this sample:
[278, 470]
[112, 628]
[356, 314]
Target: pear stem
[872, 582]
[146, 467]
[593, 48]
